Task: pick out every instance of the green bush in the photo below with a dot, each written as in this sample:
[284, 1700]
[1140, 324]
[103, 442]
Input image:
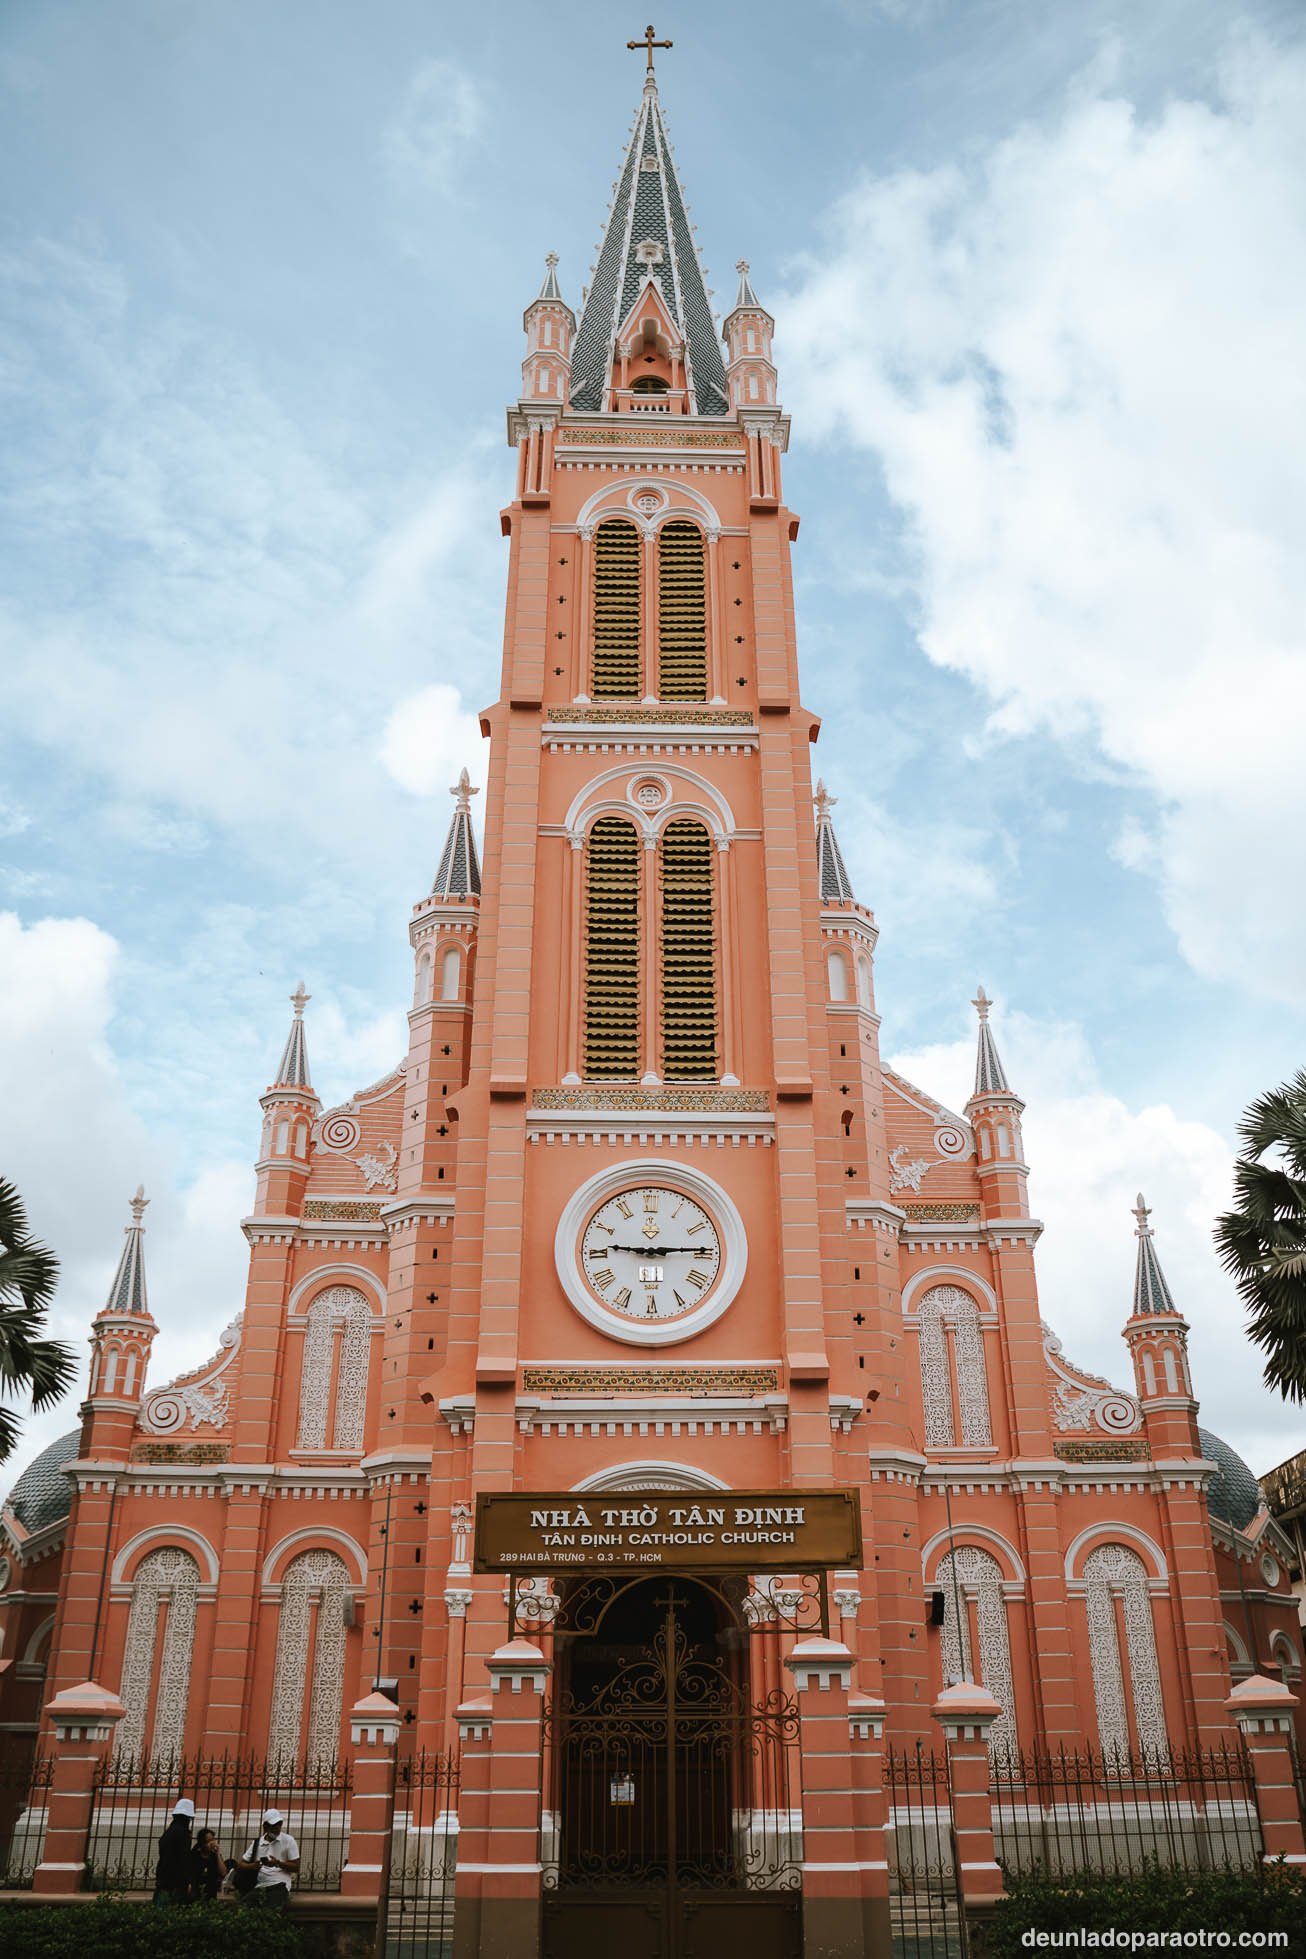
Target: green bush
[1153, 1901]
[111, 1929]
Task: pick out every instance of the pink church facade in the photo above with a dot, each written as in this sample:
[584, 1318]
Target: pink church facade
[649, 1001]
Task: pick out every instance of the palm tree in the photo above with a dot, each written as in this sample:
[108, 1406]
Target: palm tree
[29, 1362]
[1263, 1241]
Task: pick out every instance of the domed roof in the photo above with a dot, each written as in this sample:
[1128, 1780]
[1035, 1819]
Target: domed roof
[1233, 1492]
[42, 1494]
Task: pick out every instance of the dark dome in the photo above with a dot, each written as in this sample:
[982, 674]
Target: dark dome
[1233, 1492]
[42, 1494]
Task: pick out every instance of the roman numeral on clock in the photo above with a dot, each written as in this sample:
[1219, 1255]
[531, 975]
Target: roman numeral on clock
[650, 1200]
[621, 1299]
[603, 1278]
[698, 1280]
[624, 1207]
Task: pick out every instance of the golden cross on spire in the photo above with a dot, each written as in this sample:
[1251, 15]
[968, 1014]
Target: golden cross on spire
[648, 44]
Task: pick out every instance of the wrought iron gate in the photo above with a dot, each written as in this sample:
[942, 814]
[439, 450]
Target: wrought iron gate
[672, 1812]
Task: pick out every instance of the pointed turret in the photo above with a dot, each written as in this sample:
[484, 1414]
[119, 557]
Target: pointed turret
[459, 873]
[750, 370]
[836, 885]
[121, 1337]
[292, 1071]
[290, 1108]
[550, 326]
[990, 1077]
[646, 327]
[994, 1111]
[1157, 1335]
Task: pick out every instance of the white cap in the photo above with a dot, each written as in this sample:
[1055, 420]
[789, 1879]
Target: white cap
[185, 1808]
[273, 1816]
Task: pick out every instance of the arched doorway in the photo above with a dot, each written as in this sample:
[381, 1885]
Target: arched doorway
[670, 1796]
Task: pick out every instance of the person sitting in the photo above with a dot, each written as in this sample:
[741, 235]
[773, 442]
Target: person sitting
[275, 1857]
[208, 1867]
[172, 1872]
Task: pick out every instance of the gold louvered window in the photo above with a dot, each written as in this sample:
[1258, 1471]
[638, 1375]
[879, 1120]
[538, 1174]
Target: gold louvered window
[682, 614]
[616, 675]
[612, 951]
[688, 954]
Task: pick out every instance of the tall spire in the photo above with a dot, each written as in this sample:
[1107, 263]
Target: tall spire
[459, 875]
[648, 235]
[745, 296]
[127, 1293]
[836, 885]
[550, 290]
[1151, 1293]
[990, 1077]
[293, 1069]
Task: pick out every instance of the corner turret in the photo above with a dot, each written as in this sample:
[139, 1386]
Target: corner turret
[1157, 1336]
[121, 1337]
[994, 1111]
[550, 327]
[290, 1108]
[750, 371]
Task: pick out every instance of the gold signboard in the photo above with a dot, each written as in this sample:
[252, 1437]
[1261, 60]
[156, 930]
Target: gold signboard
[629, 1530]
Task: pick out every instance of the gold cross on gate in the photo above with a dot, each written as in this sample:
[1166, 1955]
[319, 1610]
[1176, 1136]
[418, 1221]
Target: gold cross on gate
[648, 44]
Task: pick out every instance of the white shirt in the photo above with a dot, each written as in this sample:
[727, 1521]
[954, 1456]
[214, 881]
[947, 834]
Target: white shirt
[282, 1845]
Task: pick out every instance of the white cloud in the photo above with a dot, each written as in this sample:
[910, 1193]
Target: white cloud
[69, 1140]
[1089, 1153]
[429, 738]
[1078, 359]
[441, 114]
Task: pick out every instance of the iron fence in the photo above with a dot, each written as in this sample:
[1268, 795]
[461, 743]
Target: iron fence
[423, 1857]
[1083, 1810]
[24, 1802]
[925, 1911]
[134, 1800]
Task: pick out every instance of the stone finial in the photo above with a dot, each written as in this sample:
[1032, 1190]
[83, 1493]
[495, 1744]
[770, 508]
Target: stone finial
[138, 1204]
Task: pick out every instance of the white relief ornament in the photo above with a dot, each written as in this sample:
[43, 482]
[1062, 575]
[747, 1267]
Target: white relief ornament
[976, 1574]
[202, 1401]
[650, 795]
[456, 1600]
[165, 1593]
[339, 1131]
[537, 1603]
[312, 1607]
[847, 1603]
[380, 1171]
[1113, 1572]
[907, 1171]
[951, 1141]
[1083, 1400]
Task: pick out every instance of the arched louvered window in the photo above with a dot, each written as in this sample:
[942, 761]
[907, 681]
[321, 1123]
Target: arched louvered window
[309, 1682]
[156, 1660]
[689, 1035]
[615, 675]
[682, 614]
[612, 951]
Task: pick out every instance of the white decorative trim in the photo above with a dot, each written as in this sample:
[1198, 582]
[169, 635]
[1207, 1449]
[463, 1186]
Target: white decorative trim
[195, 1395]
[1112, 1532]
[696, 507]
[160, 1536]
[943, 1540]
[654, 1475]
[713, 808]
[945, 1274]
[317, 1537]
[622, 1176]
[336, 1274]
[1081, 1399]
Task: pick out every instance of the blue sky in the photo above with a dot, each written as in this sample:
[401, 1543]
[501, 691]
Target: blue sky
[1038, 272]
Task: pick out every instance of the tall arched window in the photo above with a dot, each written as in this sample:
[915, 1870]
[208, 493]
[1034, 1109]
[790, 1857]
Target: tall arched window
[682, 613]
[689, 1032]
[944, 1309]
[156, 1661]
[612, 991]
[615, 671]
[309, 1683]
[836, 967]
[337, 1348]
[976, 1576]
[1121, 1640]
[450, 973]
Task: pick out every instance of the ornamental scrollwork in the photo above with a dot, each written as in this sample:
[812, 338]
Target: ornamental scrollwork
[1083, 1400]
[202, 1400]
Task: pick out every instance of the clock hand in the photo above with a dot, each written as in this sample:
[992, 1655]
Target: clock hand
[661, 1251]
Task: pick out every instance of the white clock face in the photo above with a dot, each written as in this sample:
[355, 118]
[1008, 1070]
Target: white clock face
[651, 1254]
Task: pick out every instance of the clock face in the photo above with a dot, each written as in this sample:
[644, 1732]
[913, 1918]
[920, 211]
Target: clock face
[651, 1254]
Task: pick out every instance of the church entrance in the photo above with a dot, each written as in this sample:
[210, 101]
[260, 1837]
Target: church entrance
[672, 1802]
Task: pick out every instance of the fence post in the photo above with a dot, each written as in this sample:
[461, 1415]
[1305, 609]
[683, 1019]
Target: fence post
[871, 1818]
[833, 1879]
[497, 1888]
[1263, 1710]
[966, 1713]
[84, 1719]
[374, 1724]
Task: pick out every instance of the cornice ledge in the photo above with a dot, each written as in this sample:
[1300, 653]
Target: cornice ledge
[439, 1205]
[1028, 1230]
[870, 1210]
